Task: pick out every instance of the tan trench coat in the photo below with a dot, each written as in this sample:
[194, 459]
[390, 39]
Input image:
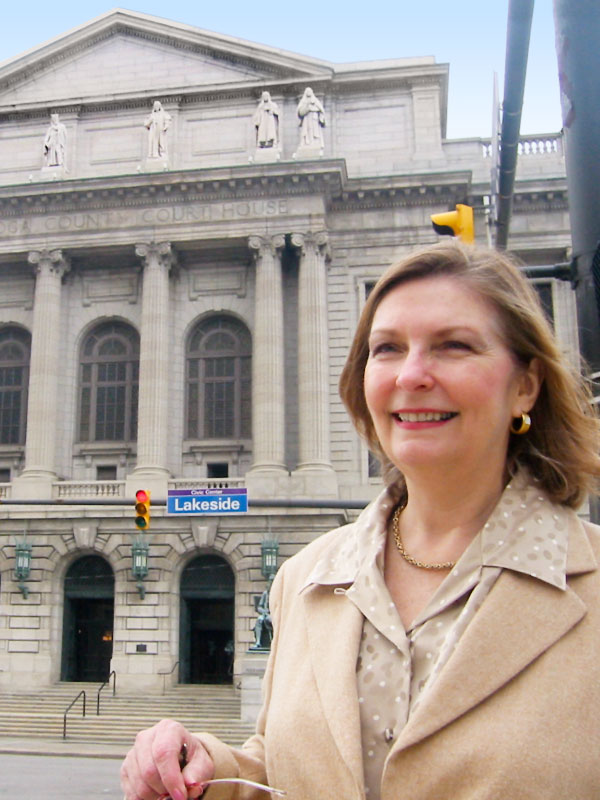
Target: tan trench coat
[514, 714]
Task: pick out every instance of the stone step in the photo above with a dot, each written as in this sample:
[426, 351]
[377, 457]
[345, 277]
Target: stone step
[41, 714]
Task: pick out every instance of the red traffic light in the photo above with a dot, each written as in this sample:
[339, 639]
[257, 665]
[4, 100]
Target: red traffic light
[142, 509]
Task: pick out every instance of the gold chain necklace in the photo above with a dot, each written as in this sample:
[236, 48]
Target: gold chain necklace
[411, 560]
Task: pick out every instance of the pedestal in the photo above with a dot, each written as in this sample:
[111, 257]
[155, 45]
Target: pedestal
[308, 151]
[53, 173]
[253, 670]
[265, 155]
[156, 165]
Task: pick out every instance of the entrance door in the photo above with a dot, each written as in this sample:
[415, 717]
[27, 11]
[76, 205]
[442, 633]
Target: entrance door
[88, 620]
[207, 621]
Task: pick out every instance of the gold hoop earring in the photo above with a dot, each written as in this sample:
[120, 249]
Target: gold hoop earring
[520, 425]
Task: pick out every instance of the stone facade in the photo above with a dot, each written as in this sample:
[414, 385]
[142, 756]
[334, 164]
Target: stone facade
[145, 208]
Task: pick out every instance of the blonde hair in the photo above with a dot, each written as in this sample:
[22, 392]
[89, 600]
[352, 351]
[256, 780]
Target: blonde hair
[561, 450]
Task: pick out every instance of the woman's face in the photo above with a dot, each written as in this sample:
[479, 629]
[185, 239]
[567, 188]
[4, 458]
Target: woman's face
[440, 384]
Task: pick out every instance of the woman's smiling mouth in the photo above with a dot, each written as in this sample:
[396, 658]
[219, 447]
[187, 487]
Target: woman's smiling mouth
[424, 416]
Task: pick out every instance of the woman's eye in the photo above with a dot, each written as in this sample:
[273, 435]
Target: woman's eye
[383, 347]
[454, 344]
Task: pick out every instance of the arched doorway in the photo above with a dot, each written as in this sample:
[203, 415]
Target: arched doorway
[88, 620]
[206, 621]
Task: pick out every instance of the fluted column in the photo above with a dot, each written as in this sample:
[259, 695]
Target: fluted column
[42, 409]
[268, 390]
[153, 408]
[313, 358]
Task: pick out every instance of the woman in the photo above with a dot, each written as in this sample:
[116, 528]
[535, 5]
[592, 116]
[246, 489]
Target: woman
[445, 645]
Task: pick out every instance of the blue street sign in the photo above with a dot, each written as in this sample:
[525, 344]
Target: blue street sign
[207, 501]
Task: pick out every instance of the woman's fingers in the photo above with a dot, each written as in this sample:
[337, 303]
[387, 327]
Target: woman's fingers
[153, 767]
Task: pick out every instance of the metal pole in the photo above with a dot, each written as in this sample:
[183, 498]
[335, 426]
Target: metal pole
[520, 13]
[578, 51]
[577, 24]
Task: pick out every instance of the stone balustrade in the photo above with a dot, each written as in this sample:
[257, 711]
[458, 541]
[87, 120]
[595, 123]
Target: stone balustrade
[532, 146]
[65, 490]
[207, 483]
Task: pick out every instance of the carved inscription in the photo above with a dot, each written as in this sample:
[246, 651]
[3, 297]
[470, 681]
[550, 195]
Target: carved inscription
[140, 217]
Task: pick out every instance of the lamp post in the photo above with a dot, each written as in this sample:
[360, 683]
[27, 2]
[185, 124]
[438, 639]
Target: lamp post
[269, 550]
[139, 566]
[23, 564]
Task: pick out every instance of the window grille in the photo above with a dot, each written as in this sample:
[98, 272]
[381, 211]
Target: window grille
[15, 349]
[109, 373]
[219, 380]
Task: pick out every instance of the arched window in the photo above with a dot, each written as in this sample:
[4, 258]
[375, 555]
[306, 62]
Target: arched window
[15, 348]
[108, 393]
[218, 380]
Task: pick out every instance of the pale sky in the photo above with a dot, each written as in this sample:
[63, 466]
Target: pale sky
[469, 35]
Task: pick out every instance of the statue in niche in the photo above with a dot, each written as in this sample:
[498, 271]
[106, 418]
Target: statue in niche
[312, 120]
[266, 122]
[55, 143]
[157, 122]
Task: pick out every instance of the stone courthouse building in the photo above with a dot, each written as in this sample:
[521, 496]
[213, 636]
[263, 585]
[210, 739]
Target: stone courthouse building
[189, 225]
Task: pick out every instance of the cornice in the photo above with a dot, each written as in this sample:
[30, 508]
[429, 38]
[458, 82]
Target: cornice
[423, 189]
[531, 196]
[324, 178]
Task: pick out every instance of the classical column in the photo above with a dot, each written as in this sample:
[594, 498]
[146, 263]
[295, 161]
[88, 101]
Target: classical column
[153, 408]
[313, 362]
[42, 409]
[268, 387]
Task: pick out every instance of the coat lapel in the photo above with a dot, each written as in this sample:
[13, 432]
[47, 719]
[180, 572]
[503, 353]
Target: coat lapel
[334, 631]
[521, 618]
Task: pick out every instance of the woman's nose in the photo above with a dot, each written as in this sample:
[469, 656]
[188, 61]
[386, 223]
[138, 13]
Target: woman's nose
[414, 373]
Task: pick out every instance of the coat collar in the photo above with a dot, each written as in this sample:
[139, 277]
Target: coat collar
[510, 539]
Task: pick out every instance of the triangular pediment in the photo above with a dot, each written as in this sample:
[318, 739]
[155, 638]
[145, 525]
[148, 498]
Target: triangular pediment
[124, 53]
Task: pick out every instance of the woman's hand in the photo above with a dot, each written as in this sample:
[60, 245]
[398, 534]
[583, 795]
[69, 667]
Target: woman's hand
[165, 760]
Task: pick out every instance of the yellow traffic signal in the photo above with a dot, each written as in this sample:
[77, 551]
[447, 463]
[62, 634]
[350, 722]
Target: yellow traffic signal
[142, 509]
[455, 223]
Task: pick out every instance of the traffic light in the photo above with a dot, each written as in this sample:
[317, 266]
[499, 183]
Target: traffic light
[142, 509]
[455, 223]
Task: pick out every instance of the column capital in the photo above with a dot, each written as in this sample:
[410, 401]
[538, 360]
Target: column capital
[318, 240]
[52, 260]
[257, 244]
[159, 253]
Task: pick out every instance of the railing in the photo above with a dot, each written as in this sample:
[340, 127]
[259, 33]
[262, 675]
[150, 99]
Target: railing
[207, 483]
[112, 675]
[5, 490]
[533, 146]
[63, 490]
[166, 672]
[82, 692]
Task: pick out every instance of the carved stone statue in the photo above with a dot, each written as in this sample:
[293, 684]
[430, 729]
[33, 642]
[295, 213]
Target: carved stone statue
[55, 143]
[157, 122]
[263, 627]
[312, 121]
[266, 122]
